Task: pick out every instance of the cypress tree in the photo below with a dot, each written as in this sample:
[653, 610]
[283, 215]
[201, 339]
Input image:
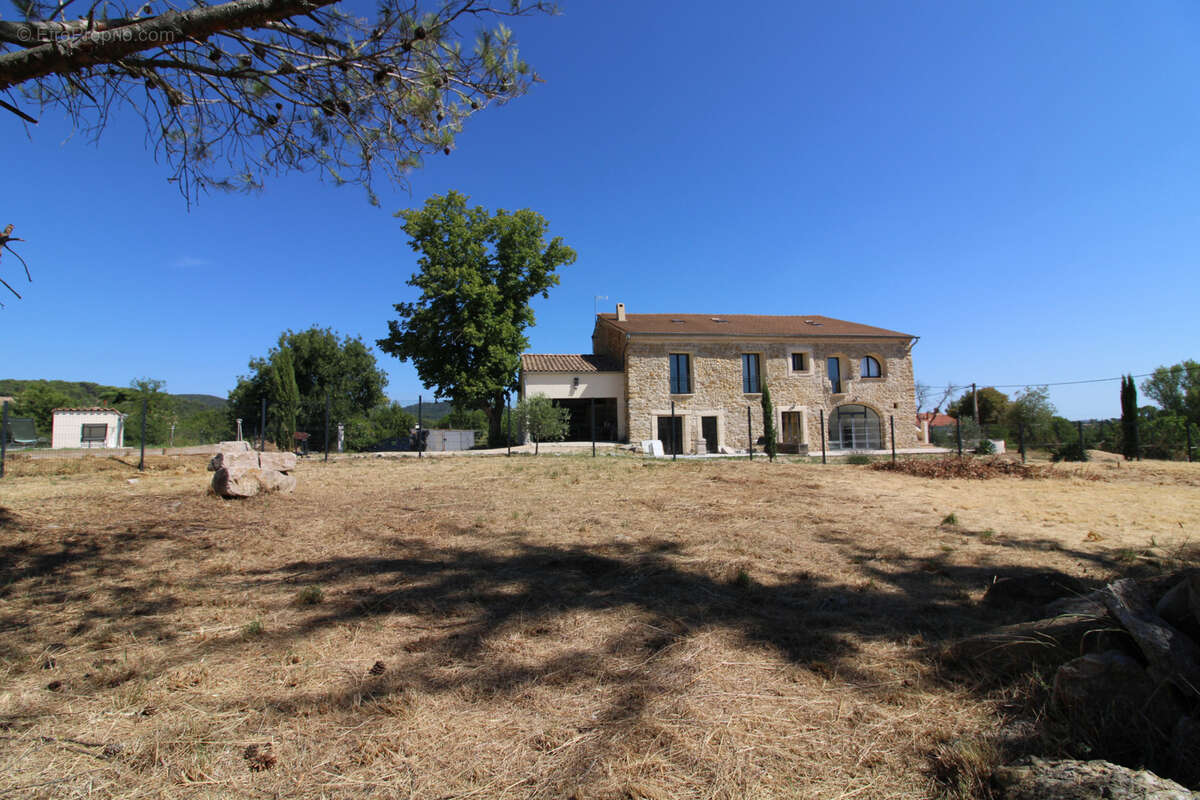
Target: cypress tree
[1129, 418]
[285, 397]
[768, 411]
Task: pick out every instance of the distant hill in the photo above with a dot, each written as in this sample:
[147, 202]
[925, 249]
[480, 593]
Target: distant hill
[87, 393]
[199, 401]
[431, 412]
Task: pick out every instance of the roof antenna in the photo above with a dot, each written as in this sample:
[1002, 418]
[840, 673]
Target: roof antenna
[596, 303]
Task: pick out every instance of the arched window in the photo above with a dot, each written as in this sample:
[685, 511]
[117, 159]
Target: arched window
[854, 427]
[869, 368]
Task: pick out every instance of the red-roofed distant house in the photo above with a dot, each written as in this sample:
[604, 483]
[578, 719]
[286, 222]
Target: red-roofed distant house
[711, 368]
[929, 421]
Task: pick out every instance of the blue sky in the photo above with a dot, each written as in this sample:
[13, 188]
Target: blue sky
[1018, 183]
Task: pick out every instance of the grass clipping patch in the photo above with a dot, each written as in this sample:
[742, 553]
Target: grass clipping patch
[539, 628]
[974, 468]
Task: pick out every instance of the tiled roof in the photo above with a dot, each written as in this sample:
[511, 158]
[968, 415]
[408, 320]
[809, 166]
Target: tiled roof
[92, 408]
[746, 325]
[568, 362]
[937, 420]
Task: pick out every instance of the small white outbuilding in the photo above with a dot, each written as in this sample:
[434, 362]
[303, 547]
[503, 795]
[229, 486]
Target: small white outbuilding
[88, 427]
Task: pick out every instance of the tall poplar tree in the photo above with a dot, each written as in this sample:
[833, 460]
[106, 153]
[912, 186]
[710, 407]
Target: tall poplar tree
[770, 438]
[1129, 418]
[285, 397]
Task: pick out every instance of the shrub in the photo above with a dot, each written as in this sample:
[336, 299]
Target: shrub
[950, 519]
[985, 448]
[858, 458]
[1071, 451]
[310, 596]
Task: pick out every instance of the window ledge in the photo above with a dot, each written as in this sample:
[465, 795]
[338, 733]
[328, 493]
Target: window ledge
[681, 394]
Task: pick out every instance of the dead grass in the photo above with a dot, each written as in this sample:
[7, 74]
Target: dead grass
[549, 627]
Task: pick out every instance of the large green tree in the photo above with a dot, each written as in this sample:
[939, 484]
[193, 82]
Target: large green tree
[39, 401]
[993, 405]
[322, 362]
[1176, 389]
[1031, 409]
[478, 272]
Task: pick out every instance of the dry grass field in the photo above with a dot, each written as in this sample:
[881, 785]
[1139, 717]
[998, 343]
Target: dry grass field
[548, 627]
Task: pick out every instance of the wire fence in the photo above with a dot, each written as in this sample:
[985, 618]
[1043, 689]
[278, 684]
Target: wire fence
[1070, 440]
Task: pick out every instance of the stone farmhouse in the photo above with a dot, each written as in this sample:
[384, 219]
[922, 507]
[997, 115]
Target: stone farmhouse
[712, 368]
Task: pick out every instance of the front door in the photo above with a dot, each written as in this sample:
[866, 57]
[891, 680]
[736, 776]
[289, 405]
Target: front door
[792, 431]
[670, 433]
[708, 429]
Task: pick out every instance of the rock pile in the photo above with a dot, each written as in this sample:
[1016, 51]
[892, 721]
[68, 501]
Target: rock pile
[1125, 660]
[239, 471]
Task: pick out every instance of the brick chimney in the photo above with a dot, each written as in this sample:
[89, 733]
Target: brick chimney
[620, 312]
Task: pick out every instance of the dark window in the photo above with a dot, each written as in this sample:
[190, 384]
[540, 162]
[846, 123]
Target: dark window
[799, 362]
[681, 373]
[870, 367]
[834, 367]
[93, 434]
[750, 378]
[670, 433]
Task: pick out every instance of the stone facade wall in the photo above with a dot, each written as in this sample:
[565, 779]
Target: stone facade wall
[717, 387]
[608, 341]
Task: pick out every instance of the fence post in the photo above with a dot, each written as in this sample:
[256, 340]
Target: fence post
[420, 425]
[1021, 440]
[508, 407]
[823, 436]
[673, 447]
[750, 432]
[1079, 427]
[892, 423]
[1187, 426]
[262, 430]
[142, 459]
[4, 438]
[958, 435]
[593, 410]
[327, 403]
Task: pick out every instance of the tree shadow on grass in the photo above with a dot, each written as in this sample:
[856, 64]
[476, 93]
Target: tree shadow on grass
[472, 593]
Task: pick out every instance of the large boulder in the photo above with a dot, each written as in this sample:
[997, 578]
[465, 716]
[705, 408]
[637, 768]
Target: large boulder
[1015, 649]
[280, 462]
[1114, 707]
[1038, 589]
[231, 459]
[1038, 779]
[272, 480]
[237, 482]
[249, 481]
[227, 451]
